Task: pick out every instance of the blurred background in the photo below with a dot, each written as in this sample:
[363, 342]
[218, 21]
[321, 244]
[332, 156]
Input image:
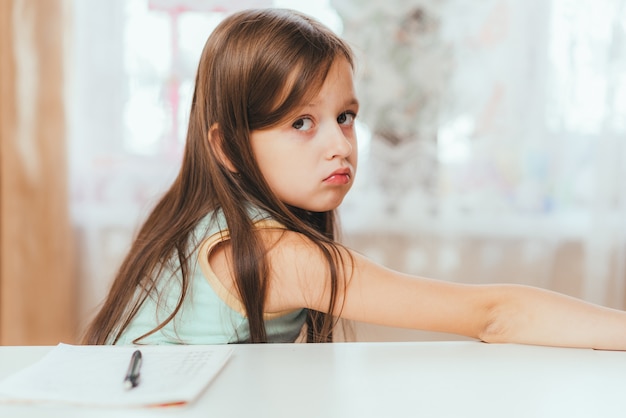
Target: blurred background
[492, 143]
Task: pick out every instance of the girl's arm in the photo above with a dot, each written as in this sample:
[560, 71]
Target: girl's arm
[492, 313]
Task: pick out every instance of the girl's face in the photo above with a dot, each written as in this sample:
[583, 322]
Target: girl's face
[310, 160]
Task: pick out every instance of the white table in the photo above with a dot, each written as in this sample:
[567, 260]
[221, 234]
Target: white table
[416, 379]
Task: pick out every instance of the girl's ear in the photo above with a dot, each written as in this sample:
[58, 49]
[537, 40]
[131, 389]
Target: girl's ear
[216, 142]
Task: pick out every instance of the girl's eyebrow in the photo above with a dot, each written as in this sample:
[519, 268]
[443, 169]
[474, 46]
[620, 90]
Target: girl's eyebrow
[353, 101]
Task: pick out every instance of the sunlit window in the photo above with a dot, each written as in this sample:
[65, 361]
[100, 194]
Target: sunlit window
[587, 95]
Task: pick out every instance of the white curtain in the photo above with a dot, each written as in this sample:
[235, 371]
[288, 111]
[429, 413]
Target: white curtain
[492, 134]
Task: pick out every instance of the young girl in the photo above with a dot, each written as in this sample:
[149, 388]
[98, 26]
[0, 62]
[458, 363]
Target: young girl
[241, 248]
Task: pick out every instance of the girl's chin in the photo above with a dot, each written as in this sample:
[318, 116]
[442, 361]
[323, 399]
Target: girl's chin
[331, 203]
[323, 208]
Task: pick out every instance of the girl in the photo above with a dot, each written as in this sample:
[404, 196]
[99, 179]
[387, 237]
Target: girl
[242, 247]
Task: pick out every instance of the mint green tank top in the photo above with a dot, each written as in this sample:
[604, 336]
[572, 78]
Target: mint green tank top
[210, 314]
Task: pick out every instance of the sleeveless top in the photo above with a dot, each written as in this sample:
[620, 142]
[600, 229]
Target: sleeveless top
[210, 314]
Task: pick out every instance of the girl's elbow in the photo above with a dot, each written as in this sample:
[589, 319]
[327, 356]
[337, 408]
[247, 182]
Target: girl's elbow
[506, 316]
[496, 327]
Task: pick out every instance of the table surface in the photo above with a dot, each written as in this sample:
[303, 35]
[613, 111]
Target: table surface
[425, 379]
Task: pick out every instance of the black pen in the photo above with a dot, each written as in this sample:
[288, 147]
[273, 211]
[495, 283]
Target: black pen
[132, 375]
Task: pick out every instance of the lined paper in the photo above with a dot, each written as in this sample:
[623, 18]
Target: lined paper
[94, 375]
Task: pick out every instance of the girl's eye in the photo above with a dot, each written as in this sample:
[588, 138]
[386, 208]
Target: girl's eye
[346, 118]
[303, 124]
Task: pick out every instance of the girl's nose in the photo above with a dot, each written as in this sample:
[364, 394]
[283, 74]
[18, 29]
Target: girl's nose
[339, 144]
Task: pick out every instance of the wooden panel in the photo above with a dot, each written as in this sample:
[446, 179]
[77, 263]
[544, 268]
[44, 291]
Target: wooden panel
[37, 284]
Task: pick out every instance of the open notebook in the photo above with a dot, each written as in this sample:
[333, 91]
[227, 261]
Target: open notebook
[94, 375]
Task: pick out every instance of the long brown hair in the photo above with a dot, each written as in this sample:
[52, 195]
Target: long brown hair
[256, 67]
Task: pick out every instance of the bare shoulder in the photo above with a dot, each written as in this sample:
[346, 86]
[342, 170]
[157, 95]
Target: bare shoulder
[300, 270]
